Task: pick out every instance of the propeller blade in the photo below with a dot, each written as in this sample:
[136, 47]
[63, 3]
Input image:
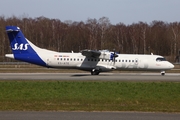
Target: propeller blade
[114, 55]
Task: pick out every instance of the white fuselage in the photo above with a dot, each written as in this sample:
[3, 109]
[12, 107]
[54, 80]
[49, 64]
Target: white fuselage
[122, 62]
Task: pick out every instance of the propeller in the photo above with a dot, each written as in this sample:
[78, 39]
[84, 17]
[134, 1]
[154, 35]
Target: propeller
[114, 55]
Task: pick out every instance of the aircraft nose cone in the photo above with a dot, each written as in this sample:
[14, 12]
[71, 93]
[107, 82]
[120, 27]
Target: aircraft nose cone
[171, 66]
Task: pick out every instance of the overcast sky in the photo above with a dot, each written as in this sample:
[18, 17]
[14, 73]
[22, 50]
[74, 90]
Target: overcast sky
[124, 11]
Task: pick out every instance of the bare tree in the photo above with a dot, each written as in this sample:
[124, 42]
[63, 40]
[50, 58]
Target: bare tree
[92, 26]
[119, 32]
[175, 27]
[104, 24]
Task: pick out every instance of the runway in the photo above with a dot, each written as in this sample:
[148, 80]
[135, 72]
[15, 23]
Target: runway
[87, 116]
[175, 77]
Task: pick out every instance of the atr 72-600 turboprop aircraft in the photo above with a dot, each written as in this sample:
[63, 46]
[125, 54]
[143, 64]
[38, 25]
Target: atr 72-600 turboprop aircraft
[88, 60]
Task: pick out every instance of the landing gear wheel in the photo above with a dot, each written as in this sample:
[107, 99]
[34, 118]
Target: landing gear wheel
[162, 73]
[95, 72]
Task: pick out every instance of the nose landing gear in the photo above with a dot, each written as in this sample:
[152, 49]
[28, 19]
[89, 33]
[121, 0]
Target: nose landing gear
[162, 73]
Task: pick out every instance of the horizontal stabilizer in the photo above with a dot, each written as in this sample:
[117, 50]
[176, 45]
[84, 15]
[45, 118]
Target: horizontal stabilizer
[9, 56]
[12, 28]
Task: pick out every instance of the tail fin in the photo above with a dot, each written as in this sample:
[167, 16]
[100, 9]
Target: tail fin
[18, 42]
[22, 49]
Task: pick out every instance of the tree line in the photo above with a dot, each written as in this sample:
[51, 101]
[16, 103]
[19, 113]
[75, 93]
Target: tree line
[157, 37]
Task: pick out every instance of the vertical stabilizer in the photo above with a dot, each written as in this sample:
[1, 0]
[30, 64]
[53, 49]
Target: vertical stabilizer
[18, 42]
[23, 49]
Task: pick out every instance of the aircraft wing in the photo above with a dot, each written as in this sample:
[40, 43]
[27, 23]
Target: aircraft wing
[91, 53]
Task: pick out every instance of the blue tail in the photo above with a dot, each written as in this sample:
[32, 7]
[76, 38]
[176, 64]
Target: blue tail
[19, 44]
[23, 49]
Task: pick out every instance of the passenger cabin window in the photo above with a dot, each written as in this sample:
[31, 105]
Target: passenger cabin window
[160, 59]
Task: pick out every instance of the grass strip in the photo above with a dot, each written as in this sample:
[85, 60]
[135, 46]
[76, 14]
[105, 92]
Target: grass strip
[89, 96]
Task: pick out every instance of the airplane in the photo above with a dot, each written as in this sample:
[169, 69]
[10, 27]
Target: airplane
[94, 61]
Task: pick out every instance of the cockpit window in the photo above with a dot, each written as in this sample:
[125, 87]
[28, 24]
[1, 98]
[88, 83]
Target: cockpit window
[160, 59]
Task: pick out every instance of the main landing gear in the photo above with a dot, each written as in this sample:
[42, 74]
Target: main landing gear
[95, 72]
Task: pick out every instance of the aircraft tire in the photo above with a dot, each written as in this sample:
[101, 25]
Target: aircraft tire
[96, 72]
[162, 73]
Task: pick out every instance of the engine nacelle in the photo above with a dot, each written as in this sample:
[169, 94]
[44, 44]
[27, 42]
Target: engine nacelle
[107, 55]
[102, 54]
